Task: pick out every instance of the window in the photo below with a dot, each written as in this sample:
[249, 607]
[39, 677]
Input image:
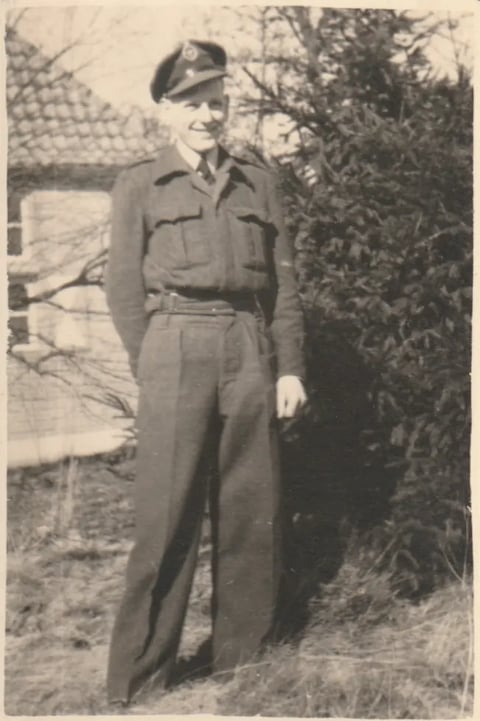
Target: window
[20, 320]
[14, 225]
[20, 217]
[14, 239]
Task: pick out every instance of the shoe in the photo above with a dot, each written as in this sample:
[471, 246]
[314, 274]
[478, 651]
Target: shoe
[118, 707]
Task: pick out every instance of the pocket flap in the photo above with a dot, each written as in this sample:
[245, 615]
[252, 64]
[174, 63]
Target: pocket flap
[173, 212]
[258, 215]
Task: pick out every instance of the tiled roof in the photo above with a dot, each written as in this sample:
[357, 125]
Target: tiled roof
[54, 119]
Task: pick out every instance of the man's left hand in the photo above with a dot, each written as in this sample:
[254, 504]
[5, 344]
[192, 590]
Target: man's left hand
[291, 396]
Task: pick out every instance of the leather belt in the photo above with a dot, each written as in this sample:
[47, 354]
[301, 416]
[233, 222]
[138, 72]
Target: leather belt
[202, 302]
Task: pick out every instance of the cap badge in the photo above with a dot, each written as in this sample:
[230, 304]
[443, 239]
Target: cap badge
[189, 52]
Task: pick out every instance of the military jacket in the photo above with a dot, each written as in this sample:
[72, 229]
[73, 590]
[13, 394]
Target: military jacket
[173, 231]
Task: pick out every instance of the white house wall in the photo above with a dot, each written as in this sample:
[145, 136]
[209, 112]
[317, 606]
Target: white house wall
[67, 404]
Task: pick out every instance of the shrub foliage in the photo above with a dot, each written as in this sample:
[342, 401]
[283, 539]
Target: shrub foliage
[384, 249]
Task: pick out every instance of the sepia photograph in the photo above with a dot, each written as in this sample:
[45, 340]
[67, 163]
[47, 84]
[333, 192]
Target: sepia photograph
[239, 262]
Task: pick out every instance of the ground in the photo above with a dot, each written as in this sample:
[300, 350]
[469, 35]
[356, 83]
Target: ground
[365, 654]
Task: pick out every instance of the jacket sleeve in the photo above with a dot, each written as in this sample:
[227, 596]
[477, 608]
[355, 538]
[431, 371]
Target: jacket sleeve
[287, 327]
[124, 286]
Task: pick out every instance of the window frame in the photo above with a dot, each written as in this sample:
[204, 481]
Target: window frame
[24, 223]
[30, 313]
[19, 273]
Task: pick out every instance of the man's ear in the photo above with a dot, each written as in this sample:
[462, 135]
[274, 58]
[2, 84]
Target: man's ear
[166, 111]
[166, 108]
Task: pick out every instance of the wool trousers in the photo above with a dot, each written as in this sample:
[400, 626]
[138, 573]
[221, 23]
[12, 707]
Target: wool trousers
[206, 386]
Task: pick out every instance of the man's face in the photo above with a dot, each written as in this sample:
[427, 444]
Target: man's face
[197, 117]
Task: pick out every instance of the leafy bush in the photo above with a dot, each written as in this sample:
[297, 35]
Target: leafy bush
[384, 243]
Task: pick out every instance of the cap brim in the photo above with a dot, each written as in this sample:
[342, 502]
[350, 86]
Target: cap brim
[202, 77]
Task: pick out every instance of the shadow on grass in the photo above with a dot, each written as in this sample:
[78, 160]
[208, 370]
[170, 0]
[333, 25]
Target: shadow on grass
[333, 483]
[195, 667]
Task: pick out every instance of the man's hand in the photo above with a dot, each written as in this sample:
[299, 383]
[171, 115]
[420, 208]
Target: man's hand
[290, 396]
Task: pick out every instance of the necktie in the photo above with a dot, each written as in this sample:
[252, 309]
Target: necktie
[204, 170]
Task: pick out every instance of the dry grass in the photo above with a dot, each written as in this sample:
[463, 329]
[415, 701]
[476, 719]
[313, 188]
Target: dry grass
[366, 654]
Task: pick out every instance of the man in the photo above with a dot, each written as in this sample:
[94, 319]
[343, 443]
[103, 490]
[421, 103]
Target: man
[201, 287]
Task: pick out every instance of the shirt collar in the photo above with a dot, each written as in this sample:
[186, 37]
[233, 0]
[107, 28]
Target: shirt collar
[193, 158]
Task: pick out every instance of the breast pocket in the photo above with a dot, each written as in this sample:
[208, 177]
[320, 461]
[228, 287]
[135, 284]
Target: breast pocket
[180, 236]
[250, 228]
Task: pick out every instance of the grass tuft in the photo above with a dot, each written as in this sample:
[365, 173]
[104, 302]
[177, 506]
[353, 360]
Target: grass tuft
[368, 655]
[365, 654]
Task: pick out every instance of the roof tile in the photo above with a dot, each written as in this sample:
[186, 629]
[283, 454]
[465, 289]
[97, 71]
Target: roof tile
[55, 119]
[63, 111]
[78, 112]
[83, 130]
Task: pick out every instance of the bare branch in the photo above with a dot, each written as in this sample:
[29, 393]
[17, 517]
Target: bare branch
[285, 15]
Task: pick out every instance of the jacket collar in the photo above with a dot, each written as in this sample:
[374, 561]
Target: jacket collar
[229, 164]
[169, 162]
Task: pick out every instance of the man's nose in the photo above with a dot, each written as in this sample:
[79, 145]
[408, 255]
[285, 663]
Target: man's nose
[205, 112]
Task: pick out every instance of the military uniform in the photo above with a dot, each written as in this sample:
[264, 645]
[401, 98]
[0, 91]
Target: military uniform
[201, 287]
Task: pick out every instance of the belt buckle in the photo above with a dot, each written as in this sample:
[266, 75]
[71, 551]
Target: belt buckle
[257, 307]
[172, 302]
